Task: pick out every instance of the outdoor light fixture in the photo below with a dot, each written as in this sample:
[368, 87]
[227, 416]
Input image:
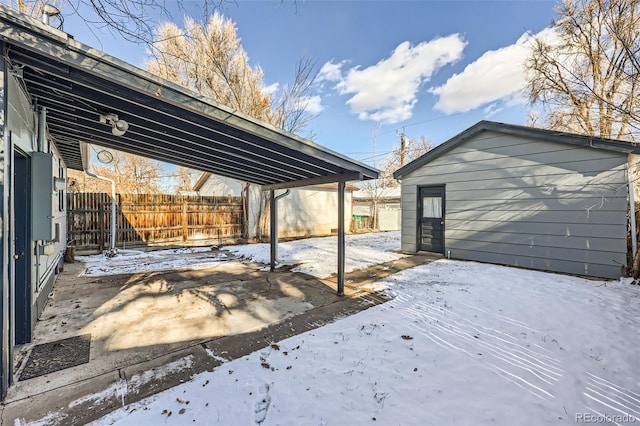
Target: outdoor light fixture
[118, 127]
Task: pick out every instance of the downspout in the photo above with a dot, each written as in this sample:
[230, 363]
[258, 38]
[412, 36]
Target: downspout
[632, 212]
[85, 162]
[273, 233]
[42, 129]
[41, 142]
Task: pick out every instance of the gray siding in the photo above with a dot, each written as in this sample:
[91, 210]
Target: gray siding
[529, 203]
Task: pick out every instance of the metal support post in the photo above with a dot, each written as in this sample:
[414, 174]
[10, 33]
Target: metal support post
[341, 241]
[273, 229]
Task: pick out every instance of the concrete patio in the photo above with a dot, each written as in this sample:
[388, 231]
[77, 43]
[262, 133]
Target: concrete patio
[152, 331]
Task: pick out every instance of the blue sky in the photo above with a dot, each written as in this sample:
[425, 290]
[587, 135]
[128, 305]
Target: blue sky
[433, 68]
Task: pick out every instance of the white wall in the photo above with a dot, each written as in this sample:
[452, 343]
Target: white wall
[311, 211]
[389, 219]
[305, 211]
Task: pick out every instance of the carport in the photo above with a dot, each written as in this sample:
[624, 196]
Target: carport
[84, 96]
[88, 96]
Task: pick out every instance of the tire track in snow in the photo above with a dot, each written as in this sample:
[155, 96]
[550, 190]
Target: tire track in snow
[528, 366]
[609, 399]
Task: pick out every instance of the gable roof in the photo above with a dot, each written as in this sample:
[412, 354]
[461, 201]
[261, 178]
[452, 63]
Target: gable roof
[77, 84]
[523, 131]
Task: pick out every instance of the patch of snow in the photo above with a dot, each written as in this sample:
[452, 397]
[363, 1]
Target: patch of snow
[317, 256]
[144, 262]
[49, 419]
[161, 372]
[216, 357]
[116, 389]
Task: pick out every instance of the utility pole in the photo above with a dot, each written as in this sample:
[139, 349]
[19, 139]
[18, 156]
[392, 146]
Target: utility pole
[403, 147]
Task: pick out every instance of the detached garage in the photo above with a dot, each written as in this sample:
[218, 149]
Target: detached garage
[521, 196]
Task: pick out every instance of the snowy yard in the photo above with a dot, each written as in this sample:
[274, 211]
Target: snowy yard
[316, 256]
[461, 343]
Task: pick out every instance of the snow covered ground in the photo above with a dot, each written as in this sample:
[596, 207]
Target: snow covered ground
[461, 343]
[316, 256]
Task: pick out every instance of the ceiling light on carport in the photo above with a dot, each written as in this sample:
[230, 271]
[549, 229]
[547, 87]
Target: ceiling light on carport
[118, 127]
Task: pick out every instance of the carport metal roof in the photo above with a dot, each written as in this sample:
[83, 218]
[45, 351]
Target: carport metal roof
[76, 84]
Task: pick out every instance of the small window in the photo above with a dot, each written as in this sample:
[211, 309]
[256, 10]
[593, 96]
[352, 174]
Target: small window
[432, 207]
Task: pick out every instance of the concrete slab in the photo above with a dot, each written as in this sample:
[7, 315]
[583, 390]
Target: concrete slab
[65, 405]
[153, 331]
[165, 372]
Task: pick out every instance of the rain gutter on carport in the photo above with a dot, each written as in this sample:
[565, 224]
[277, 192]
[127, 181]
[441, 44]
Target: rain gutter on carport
[78, 84]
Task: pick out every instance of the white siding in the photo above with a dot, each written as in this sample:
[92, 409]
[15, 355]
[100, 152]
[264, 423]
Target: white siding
[309, 211]
[305, 211]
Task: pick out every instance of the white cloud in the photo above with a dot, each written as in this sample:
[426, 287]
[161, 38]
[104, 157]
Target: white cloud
[271, 89]
[387, 91]
[313, 104]
[497, 75]
[492, 109]
[331, 71]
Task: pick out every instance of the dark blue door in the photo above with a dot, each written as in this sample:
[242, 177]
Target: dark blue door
[431, 219]
[22, 208]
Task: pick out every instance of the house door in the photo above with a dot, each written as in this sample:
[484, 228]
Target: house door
[431, 219]
[22, 248]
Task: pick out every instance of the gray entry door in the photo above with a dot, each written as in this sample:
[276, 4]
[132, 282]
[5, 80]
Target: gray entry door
[431, 219]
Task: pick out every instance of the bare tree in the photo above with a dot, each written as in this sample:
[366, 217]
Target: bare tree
[586, 74]
[375, 190]
[210, 60]
[291, 110]
[414, 148]
[185, 178]
[131, 173]
[133, 20]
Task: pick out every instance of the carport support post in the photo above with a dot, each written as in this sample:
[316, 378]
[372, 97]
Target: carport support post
[341, 242]
[273, 228]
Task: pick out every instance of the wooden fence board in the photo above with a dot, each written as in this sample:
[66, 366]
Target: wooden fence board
[151, 218]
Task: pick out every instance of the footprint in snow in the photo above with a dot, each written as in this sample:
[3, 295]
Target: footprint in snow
[262, 406]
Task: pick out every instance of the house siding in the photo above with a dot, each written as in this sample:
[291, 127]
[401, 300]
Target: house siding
[528, 203]
[35, 262]
[305, 211]
[21, 121]
[6, 342]
[308, 211]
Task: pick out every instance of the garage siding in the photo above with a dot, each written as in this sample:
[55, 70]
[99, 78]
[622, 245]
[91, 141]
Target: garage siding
[528, 203]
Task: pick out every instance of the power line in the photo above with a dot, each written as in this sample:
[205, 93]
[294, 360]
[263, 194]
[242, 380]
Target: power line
[424, 121]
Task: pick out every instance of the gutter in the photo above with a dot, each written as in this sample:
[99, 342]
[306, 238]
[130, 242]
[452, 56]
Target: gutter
[273, 232]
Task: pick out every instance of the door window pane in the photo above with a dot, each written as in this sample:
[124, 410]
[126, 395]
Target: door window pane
[432, 207]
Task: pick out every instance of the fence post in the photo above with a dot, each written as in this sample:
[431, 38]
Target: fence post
[185, 228]
[101, 220]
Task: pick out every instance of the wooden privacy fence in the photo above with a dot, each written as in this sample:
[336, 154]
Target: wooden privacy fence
[151, 218]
